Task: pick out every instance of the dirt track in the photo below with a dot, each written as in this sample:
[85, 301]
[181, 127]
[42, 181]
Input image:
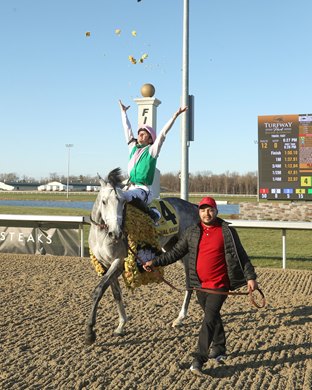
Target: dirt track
[45, 301]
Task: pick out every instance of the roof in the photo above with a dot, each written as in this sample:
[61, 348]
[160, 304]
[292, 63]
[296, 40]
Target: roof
[6, 187]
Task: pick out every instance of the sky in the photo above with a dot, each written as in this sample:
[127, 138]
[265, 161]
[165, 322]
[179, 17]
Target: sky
[247, 58]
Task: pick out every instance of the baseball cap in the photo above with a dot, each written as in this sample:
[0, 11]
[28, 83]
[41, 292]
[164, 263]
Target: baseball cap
[150, 130]
[207, 201]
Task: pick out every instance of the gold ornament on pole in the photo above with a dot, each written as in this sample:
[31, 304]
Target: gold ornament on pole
[148, 90]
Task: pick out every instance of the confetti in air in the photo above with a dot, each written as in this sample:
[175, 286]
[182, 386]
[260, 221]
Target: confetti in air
[132, 60]
[143, 57]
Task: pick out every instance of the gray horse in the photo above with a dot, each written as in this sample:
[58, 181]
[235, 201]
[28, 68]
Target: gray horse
[108, 243]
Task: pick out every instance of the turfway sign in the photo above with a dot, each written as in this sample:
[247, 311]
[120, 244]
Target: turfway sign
[35, 234]
[285, 157]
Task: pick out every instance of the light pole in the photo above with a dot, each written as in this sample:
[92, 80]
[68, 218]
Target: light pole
[185, 102]
[68, 146]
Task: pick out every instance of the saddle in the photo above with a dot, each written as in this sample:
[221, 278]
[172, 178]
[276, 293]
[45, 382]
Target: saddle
[169, 222]
[161, 212]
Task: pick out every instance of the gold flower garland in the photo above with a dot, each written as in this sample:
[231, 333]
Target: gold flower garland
[141, 233]
[99, 269]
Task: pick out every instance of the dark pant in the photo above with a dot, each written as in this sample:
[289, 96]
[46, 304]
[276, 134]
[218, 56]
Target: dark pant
[211, 330]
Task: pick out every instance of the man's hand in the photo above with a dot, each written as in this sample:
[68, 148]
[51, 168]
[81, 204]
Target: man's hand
[252, 285]
[180, 110]
[123, 107]
[148, 266]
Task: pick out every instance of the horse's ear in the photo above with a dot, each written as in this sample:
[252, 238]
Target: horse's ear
[102, 181]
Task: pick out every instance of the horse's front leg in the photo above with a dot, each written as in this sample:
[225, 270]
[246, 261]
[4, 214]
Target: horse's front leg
[115, 286]
[113, 272]
[183, 312]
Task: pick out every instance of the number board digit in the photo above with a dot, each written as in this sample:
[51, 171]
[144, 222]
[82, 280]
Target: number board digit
[166, 213]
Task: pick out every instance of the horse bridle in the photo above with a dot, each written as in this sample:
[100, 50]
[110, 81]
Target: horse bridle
[102, 226]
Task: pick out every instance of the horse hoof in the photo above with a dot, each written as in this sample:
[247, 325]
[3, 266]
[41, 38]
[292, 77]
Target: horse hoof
[177, 323]
[118, 333]
[90, 337]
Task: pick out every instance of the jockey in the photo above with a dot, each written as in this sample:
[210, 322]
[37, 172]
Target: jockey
[144, 151]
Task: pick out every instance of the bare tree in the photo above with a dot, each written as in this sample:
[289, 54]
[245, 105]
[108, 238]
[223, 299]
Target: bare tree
[206, 182]
[8, 177]
[202, 182]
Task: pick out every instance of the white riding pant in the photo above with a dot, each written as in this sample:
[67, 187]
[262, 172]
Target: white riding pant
[138, 191]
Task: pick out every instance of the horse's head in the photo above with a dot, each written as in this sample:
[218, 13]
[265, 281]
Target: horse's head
[108, 210]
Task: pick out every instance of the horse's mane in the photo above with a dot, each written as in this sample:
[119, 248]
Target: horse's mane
[114, 177]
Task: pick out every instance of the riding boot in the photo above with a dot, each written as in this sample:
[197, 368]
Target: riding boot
[155, 215]
[141, 205]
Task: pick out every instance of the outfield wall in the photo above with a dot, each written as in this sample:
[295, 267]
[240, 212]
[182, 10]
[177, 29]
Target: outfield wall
[276, 211]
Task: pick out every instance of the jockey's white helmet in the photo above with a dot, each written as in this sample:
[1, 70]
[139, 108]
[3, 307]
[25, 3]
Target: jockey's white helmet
[150, 130]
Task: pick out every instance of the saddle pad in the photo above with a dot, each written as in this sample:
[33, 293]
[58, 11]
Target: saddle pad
[169, 222]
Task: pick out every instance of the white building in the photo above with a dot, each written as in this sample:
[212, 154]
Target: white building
[6, 187]
[54, 186]
[93, 188]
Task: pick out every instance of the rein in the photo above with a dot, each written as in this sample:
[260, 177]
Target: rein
[100, 225]
[207, 290]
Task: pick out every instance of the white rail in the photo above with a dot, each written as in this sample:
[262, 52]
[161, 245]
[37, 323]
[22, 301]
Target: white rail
[237, 223]
[282, 225]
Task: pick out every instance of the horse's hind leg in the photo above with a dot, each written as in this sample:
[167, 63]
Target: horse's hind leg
[187, 298]
[115, 286]
[183, 312]
[113, 271]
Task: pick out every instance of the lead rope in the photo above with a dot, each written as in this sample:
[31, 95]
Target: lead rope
[207, 290]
